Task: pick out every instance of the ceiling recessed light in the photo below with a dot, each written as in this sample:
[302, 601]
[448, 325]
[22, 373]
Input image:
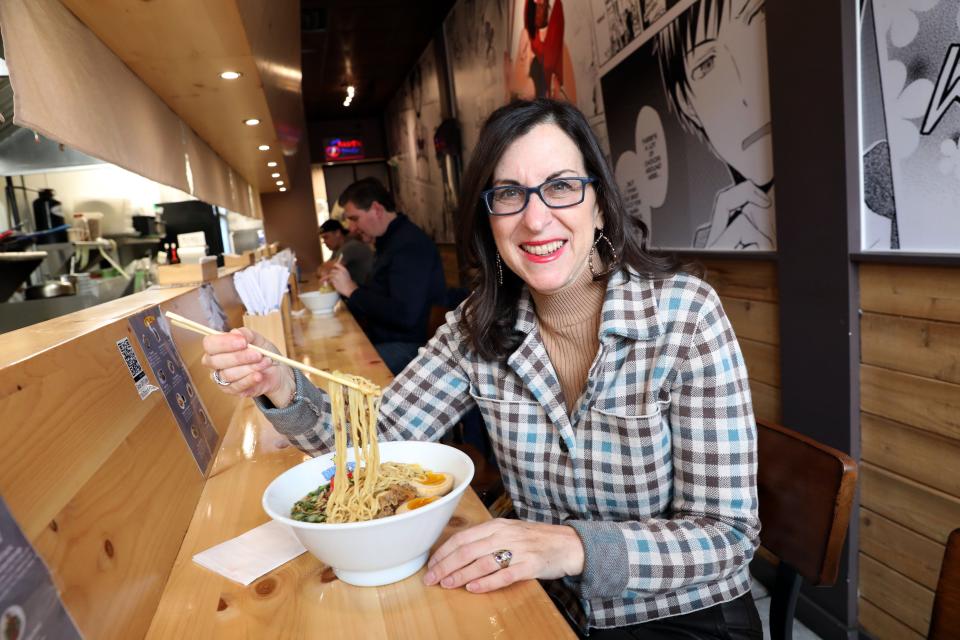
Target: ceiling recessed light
[274, 175]
[230, 75]
[264, 147]
[271, 164]
[251, 122]
[346, 102]
[350, 91]
[283, 188]
[279, 183]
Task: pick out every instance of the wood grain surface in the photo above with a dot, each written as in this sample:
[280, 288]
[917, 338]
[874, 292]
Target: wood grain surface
[910, 434]
[927, 292]
[901, 549]
[102, 482]
[896, 594]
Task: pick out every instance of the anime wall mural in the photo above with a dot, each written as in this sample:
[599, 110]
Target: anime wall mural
[688, 117]
[910, 102]
[538, 62]
[411, 119]
[505, 49]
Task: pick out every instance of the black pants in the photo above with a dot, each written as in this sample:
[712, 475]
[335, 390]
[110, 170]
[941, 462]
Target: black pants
[734, 620]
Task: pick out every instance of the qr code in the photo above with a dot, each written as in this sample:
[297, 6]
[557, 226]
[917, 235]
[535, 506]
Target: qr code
[130, 357]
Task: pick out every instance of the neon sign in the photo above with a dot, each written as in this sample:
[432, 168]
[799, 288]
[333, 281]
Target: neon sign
[341, 149]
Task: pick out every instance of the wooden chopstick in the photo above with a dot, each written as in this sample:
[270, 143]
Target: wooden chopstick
[190, 325]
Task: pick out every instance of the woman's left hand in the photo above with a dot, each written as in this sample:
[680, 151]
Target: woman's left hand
[545, 551]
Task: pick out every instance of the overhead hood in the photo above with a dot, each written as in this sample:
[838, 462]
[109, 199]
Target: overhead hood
[23, 153]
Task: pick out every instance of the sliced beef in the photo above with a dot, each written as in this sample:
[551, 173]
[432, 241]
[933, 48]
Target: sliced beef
[393, 498]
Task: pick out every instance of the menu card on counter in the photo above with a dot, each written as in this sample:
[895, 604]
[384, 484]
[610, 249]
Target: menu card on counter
[30, 607]
[153, 334]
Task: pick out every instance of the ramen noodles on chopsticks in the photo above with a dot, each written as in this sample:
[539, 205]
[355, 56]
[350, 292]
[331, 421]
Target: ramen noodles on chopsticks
[373, 489]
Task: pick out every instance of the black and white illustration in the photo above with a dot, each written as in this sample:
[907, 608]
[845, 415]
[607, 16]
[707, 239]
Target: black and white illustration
[688, 116]
[910, 101]
[412, 118]
[617, 23]
[177, 386]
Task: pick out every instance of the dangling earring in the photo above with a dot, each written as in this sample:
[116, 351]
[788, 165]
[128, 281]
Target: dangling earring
[499, 270]
[593, 252]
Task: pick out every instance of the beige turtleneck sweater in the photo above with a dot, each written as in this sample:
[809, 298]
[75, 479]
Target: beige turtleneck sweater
[569, 322]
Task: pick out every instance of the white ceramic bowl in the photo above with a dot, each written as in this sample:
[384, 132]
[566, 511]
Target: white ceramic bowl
[320, 304]
[376, 552]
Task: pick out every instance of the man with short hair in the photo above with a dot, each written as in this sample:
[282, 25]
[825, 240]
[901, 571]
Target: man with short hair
[393, 306]
[348, 250]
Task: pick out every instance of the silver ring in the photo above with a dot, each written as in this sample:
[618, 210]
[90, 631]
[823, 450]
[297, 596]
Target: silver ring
[502, 558]
[220, 381]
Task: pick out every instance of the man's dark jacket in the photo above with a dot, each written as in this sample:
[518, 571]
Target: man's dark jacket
[406, 280]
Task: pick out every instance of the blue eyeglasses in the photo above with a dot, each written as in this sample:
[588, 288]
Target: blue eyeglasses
[558, 193]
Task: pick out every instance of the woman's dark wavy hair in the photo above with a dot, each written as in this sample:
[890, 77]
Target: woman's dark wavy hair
[491, 310]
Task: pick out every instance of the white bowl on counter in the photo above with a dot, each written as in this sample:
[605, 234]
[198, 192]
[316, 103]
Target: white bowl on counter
[375, 552]
[320, 303]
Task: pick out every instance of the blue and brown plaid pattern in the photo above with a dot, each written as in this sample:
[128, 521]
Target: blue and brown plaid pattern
[655, 468]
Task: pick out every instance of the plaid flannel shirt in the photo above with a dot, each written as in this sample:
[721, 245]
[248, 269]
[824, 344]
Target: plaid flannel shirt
[655, 468]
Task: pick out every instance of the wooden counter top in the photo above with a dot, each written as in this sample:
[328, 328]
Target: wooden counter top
[303, 598]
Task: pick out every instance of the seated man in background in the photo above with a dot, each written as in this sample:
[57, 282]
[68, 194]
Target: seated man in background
[347, 249]
[393, 306]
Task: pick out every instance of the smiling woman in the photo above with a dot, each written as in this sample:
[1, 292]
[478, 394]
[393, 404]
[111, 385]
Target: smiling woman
[611, 384]
[547, 241]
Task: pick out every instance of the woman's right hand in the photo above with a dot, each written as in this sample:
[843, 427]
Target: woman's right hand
[248, 372]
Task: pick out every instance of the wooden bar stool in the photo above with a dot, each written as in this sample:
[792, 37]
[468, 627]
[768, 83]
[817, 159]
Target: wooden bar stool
[806, 493]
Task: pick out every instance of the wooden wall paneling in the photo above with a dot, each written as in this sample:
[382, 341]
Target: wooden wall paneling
[922, 347]
[902, 598]
[766, 401]
[927, 511]
[912, 453]
[909, 553]
[113, 546]
[882, 625]
[918, 291]
[919, 402]
[754, 319]
[763, 361]
[747, 279]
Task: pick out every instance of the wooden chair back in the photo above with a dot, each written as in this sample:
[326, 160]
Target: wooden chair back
[806, 494]
[945, 621]
[438, 313]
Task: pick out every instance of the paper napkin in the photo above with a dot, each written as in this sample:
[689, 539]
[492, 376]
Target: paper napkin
[256, 552]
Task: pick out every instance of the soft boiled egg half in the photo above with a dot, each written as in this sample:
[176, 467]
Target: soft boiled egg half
[416, 503]
[434, 484]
